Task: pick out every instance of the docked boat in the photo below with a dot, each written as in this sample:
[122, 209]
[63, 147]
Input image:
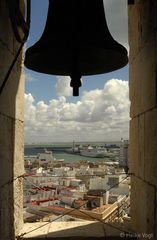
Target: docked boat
[47, 157]
[43, 158]
[93, 152]
[75, 149]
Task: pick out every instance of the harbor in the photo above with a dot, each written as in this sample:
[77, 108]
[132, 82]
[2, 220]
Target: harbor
[61, 182]
[71, 151]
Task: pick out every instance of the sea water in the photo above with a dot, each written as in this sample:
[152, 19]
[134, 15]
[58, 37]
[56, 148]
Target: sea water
[59, 151]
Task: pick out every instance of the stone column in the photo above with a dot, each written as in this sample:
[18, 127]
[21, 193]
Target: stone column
[143, 125]
[11, 131]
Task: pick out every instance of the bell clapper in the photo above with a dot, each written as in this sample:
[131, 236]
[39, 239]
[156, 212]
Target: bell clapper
[75, 83]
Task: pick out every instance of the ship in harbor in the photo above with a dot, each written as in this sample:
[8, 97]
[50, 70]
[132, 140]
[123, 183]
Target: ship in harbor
[41, 159]
[76, 148]
[97, 152]
[89, 151]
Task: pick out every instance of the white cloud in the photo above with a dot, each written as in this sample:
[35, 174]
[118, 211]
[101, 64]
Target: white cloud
[101, 114]
[30, 112]
[63, 86]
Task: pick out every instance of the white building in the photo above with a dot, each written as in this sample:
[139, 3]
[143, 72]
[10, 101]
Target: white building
[98, 183]
[75, 182]
[45, 157]
[62, 171]
[123, 158]
[114, 180]
[64, 182]
[83, 170]
[67, 200]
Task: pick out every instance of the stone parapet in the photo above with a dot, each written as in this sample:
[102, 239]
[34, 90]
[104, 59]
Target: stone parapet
[143, 125]
[11, 130]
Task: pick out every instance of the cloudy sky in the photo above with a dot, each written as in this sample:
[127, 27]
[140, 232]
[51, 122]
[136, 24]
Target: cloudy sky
[100, 113]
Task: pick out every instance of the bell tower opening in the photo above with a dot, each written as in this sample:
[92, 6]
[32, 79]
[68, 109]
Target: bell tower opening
[91, 183]
[142, 148]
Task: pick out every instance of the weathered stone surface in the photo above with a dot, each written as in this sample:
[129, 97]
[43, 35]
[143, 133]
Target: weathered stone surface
[151, 147]
[6, 31]
[143, 131]
[6, 58]
[12, 97]
[72, 230]
[11, 191]
[142, 206]
[143, 80]
[18, 169]
[7, 230]
[12, 149]
[141, 146]
[18, 149]
[18, 205]
[142, 23]
[133, 32]
[155, 227]
[133, 146]
[6, 149]
[11, 131]
[137, 147]
[76, 229]
[35, 230]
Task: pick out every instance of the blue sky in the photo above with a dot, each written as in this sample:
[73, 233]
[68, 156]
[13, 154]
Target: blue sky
[41, 87]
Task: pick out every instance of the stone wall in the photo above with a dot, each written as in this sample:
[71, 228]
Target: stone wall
[11, 131]
[143, 125]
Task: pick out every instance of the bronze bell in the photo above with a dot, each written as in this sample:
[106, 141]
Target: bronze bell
[76, 42]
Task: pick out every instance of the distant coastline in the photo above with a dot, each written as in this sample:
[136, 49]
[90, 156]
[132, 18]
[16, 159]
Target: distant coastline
[70, 144]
